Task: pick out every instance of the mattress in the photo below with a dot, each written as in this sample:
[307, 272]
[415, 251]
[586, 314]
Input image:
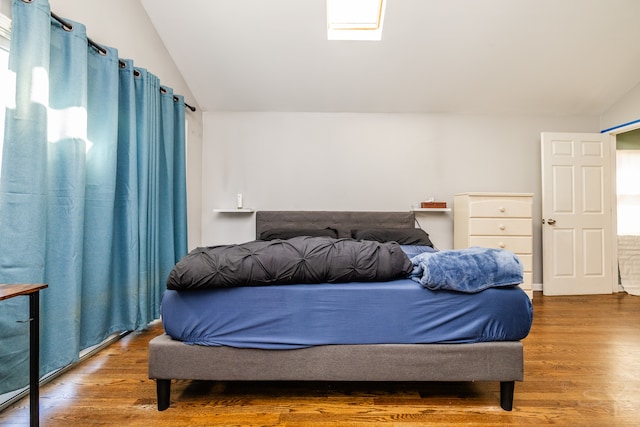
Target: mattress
[299, 316]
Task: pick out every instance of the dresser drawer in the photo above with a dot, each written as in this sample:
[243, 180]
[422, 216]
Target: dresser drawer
[526, 261]
[500, 226]
[511, 207]
[517, 245]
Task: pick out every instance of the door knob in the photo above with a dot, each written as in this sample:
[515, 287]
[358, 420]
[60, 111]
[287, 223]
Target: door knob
[551, 221]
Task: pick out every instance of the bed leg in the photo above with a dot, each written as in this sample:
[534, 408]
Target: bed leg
[163, 391]
[506, 394]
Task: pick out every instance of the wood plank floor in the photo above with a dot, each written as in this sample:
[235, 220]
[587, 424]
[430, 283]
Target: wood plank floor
[582, 368]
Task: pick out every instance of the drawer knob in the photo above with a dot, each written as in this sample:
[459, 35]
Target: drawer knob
[502, 209]
[502, 245]
[502, 227]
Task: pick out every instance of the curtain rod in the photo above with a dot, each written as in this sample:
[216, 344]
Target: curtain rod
[67, 26]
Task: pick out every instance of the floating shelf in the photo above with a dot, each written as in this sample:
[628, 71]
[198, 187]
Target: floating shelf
[231, 210]
[431, 209]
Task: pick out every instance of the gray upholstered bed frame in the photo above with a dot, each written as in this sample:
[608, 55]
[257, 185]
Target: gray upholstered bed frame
[488, 361]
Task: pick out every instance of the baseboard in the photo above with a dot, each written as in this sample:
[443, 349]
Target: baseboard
[537, 287]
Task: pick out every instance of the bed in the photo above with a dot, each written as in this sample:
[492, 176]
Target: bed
[279, 332]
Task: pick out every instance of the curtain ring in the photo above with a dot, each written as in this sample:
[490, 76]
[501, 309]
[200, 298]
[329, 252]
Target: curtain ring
[122, 64]
[65, 25]
[27, 1]
[136, 73]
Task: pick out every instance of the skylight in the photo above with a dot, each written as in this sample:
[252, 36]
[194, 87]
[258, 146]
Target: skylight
[355, 19]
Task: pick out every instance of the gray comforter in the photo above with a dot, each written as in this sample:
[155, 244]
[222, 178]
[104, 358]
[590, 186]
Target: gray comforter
[294, 261]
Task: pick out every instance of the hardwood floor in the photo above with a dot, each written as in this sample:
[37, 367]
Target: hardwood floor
[582, 368]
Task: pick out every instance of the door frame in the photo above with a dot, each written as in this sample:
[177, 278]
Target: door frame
[612, 132]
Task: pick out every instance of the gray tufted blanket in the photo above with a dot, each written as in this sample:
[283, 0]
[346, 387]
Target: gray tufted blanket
[285, 262]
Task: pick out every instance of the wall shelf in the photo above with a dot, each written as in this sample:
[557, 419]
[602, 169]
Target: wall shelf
[431, 209]
[234, 211]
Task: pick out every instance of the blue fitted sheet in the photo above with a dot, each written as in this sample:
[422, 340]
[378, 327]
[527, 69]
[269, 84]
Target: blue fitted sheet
[296, 316]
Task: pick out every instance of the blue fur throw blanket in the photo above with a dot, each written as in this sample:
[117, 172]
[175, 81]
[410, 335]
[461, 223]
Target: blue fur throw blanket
[467, 270]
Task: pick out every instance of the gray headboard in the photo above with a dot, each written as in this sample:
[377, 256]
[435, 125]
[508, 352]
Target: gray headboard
[343, 221]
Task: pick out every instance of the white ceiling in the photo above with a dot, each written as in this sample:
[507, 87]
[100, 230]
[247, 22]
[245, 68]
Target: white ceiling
[559, 57]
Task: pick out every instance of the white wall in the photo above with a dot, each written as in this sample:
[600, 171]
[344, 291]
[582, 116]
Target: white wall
[124, 25]
[345, 161]
[625, 110]
[5, 7]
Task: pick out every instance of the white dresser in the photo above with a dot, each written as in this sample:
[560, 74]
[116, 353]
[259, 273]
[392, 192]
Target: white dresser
[496, 220]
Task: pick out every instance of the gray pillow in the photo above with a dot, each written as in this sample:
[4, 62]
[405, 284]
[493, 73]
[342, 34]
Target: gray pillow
[288, 233]
[403, 236]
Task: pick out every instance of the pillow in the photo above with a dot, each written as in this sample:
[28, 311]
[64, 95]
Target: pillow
[403, 236]
[288, 233]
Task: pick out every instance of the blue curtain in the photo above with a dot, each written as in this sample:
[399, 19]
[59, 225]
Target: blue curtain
[92, 192]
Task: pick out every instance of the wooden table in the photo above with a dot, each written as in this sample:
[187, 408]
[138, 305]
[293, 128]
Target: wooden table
[33, 291]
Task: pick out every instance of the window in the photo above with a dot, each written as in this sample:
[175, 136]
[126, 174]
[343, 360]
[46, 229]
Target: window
[355, 19]
[628, 188]
[7, 82]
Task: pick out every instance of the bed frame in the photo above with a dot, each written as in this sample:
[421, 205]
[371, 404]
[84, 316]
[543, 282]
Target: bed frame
[487, 361]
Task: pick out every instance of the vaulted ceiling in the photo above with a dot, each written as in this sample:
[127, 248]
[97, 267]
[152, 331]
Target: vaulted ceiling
[558, 57]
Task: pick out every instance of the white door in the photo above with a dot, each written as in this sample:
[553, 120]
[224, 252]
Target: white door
[576, 214]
